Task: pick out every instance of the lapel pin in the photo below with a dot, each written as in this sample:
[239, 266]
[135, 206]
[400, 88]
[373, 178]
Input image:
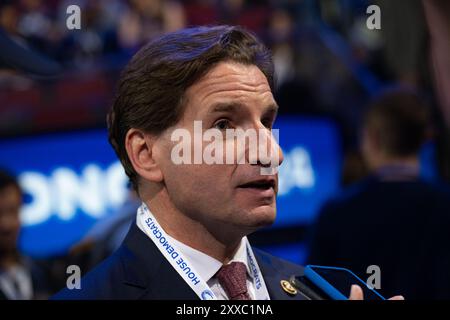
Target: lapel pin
[288, 288]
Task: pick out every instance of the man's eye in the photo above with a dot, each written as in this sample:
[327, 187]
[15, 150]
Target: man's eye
[222, 124]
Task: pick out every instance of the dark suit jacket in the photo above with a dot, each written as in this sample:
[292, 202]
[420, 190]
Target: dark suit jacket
[39, 279]
[403, 227]
[137, 270]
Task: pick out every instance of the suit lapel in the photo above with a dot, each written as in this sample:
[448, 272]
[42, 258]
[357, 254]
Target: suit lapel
[147, 273]
[273, 275]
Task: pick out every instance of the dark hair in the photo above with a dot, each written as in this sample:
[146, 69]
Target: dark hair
[400, 118]
[151, 88]
[7, 179]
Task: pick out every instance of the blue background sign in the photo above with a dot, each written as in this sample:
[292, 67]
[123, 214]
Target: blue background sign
[73, 179]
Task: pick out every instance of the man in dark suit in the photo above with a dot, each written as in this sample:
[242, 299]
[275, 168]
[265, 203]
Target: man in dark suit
[21, 278]
[393, 220]
[138, 271]
[189, 237]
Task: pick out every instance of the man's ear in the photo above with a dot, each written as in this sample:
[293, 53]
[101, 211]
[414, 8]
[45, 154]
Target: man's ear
[140, 149]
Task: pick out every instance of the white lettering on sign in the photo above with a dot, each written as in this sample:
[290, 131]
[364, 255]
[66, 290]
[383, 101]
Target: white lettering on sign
[64, 192]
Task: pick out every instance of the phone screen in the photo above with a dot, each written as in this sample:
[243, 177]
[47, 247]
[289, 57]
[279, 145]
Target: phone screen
[342, 280]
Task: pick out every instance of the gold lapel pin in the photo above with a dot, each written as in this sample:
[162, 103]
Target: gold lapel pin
[288, 288]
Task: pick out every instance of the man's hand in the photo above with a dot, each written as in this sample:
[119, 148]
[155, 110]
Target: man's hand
[356, 293]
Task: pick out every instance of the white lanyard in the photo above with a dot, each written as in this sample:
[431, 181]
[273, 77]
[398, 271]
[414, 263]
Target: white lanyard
[148, 224]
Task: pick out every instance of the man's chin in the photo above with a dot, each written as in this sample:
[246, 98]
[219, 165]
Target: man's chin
[262, 216]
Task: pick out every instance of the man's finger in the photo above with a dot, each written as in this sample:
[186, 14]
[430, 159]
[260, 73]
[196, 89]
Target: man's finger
[356, 293]
[397, 298]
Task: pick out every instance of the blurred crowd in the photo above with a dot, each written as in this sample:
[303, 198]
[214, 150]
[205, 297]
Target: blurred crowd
[327, 61]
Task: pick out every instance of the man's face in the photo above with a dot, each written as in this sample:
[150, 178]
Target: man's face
[225, 197]
[10, 202]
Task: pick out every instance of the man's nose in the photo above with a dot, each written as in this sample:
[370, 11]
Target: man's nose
[269, 153]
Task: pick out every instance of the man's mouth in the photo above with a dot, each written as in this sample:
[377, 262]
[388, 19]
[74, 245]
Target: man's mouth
[263, 184]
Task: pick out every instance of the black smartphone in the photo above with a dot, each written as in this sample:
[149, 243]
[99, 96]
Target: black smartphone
[332, 283]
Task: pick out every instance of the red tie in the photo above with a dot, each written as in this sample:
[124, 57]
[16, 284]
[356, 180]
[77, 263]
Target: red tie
[233, 279]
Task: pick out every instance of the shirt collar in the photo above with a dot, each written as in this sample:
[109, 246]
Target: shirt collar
[205, 265]
[208, 266]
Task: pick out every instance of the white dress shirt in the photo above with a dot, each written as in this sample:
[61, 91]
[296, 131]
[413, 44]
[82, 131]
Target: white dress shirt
[207, 267]
[16, 284]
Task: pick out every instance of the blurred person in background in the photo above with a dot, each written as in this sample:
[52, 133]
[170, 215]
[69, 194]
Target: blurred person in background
[437, 13]
[107, 234]
[20, 277]
[145, 19]
[393, 219]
